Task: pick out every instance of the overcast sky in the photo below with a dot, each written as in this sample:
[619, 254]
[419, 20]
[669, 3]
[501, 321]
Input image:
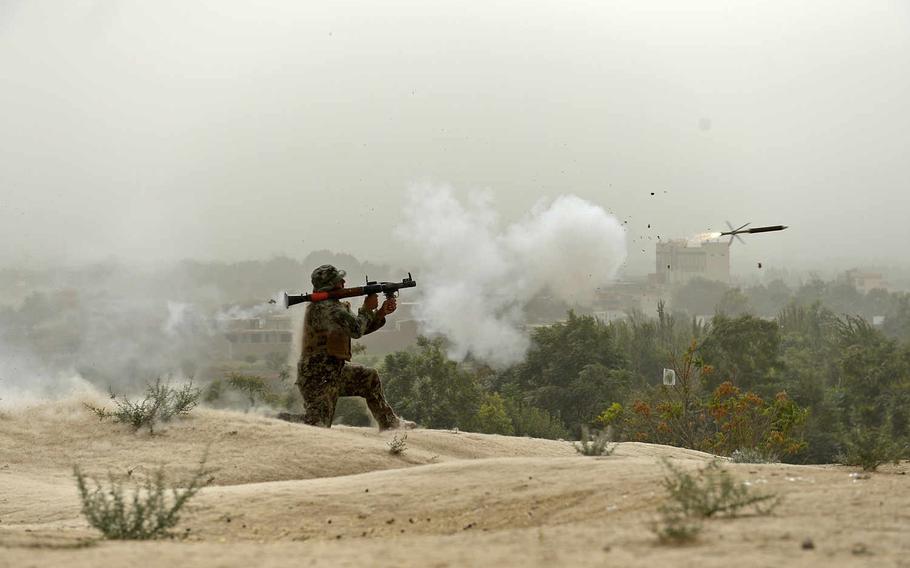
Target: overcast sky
[236, 130]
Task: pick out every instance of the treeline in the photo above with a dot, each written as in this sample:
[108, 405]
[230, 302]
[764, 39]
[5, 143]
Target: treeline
[806, 386]
[704, 297]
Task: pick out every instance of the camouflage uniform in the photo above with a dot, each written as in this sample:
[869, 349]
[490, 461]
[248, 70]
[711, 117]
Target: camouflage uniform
[323, 373]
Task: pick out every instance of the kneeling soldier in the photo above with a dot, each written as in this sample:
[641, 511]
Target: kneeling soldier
[324, 371]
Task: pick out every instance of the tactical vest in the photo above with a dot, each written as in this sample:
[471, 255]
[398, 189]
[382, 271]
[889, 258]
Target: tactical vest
[318, 340]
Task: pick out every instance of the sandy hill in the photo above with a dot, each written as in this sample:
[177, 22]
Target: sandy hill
[291, 493]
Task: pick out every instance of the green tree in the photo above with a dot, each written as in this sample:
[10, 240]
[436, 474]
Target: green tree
[897, 320]
[424, 385]
[699, 296]
[768, 300]
[569, 370]
[733, 303]
[743, 350]
[492, 417]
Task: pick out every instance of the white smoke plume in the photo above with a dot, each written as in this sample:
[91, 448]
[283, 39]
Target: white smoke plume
[477, 275]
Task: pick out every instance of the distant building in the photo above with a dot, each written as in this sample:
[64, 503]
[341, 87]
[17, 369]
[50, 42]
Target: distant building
[393, 336]
[399, 332]
[865, 281]
[257, 337]
[679, 261]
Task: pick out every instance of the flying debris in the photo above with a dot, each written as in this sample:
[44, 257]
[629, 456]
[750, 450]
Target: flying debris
[735, 233]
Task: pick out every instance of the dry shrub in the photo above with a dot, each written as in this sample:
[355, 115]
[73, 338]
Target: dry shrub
[597, 444]
[398, 444]
[709, 492]
[161, 403]
[149, 512]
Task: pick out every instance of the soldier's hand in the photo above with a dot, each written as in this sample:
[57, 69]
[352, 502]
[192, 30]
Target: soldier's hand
[388, 307]
[370, 302]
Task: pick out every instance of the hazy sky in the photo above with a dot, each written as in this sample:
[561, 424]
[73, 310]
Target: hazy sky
[234, 130]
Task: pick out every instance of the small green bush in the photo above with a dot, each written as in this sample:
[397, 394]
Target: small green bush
[161, 403]
[254, 390]
[709, 492]
[597, 444]
[676, 528]
[528, 420]
[253, 387]
[712, 491]
[214, 391]
[149, 513]
[870, 447]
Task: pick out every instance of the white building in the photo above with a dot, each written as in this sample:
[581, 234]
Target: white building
[679, 261]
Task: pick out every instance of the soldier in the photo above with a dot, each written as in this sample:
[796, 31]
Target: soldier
[324, 372]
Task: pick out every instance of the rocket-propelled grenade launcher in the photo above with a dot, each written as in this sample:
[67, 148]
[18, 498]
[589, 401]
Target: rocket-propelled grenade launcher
[390, 289]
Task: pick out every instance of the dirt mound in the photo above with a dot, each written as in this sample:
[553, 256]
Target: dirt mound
[291, 493]
[243, 448]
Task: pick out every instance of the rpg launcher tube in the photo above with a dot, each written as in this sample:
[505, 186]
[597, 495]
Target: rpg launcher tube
[387, 288]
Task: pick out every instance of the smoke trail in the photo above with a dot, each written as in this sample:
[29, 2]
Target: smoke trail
[477, 276]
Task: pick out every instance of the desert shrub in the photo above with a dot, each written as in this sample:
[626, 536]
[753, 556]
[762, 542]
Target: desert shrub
[253, 387]
[869, 447]
[594, 444]
[161, 403]
[253, 390]
[674, 527]
[711, 491]
[398, 444]
[149, 512]
[214, 391]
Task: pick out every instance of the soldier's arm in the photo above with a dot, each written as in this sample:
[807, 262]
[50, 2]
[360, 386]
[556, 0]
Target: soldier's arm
[355, 326]
[375, 320]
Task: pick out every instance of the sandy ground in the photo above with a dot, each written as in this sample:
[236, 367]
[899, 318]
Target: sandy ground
[287, 494]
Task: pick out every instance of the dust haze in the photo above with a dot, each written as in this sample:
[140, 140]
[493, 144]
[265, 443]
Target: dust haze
[554, 175]
[160, 131]
[135, 136]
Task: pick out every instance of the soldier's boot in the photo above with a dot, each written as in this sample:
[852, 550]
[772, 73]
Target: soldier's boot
[385, 416]
[379, 407]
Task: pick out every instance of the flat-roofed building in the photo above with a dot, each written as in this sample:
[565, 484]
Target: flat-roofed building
[679, 261]
[257, 337]
[865, 281]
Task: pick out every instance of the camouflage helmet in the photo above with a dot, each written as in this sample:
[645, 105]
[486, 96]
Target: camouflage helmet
[326, 277]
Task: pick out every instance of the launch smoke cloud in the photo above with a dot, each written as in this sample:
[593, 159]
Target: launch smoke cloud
[477, 275]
